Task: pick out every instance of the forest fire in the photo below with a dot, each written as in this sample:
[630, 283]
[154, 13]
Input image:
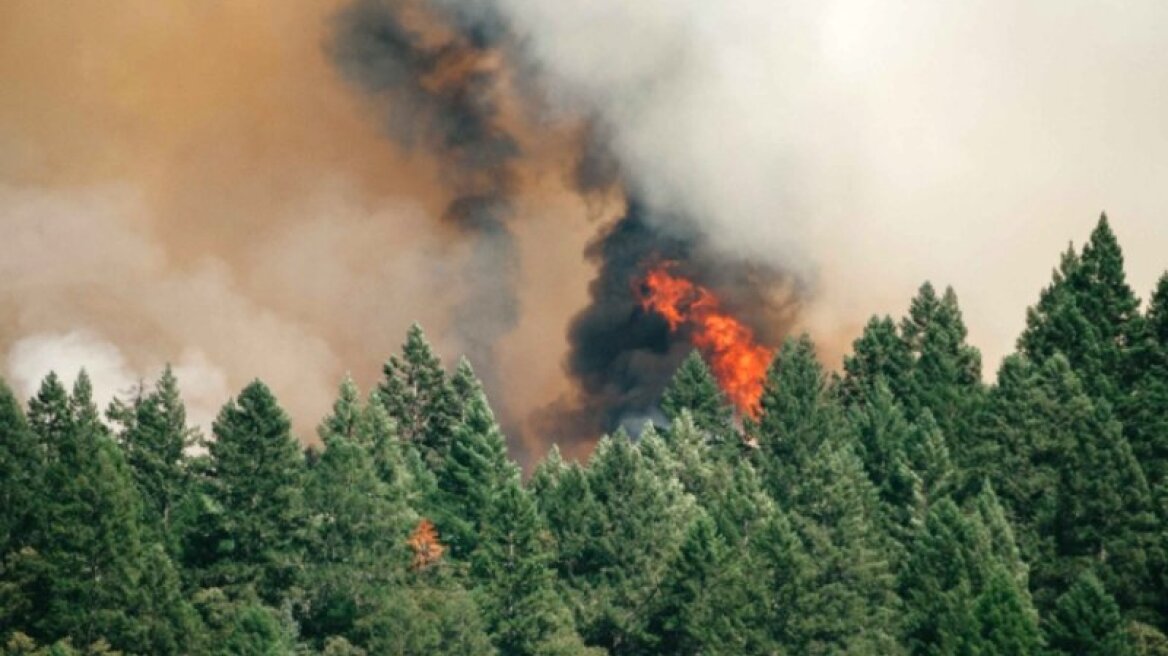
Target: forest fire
[736, 358]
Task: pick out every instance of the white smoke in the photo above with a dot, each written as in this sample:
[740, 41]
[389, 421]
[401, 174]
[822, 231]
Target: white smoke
[871, 146]
[31, 358]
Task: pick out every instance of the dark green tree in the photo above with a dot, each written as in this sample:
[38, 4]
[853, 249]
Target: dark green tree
[849, 603]
[1086, 622]
[694, 389]
[946, 374]
[358, 526]
[1142, 410]
[20, 473]
[475, 470]
[1007, 623]
[642, 521]
[1090, 315]
[940, 582]
[93, 579]
[153, 432]
[797, 413]
[512, 565]
[420, 398]
[255, 493]
[878, 356]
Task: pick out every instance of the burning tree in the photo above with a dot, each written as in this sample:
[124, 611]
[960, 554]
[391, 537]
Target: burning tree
[738, 360]
[427, 547]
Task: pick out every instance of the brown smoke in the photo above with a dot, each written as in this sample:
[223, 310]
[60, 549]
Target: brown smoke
[196, 184]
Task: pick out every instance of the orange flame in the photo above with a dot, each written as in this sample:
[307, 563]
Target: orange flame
[737, 360]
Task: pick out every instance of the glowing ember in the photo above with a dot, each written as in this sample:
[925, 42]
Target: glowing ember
[737, 360]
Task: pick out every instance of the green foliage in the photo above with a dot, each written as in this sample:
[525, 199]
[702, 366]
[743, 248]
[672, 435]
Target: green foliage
[964, 586]
[797, 415]
[254, 489]
[694, 389]
[1086, 622]
[475, 470]
[901, 507]
[421, 399]
[848, 603]
[154, 435]
[946, 375]
[879, 356]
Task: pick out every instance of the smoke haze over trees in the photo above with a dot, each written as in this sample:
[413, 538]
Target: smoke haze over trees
[900, 507]
[301, 183]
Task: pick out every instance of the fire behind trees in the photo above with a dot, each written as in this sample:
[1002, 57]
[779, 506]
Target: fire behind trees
[902, 506]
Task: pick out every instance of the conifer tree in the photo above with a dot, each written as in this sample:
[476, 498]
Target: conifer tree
[1069, 480]
[1007, 623]
[512, 564]
[1090, 315]
[420, 398]
[20, 472]
[154, 434]
[358, 525]
[564, 496]
[642, 523]
[255, 486]
[797, 414]
[694, 389]
[475, 470]
[946, 373]
[878, 356]
[701, 609]
[1142, 411]
[964, 585]
[1086, 622]
[849, 603]
[92, 585]
[939, 584]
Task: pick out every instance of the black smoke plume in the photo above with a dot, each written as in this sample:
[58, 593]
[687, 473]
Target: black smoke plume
[622, 356]
[419, 56]
[429, 68]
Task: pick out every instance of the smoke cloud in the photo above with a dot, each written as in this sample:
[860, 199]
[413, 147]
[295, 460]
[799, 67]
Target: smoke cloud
[213, 183]
[440, 87]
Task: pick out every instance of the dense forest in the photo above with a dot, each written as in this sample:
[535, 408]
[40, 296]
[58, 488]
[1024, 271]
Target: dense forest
[900, 506]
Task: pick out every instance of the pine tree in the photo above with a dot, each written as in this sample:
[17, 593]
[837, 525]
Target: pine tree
[1103, 506]
[964, 585]
[939, 584]
[797, 413]
[849, 603]
[91, 583]
[255, 487]
[358, 525]
[420, 398]
[1007, 623]
[1086, 622]
[701, 608]
[476, 469]
[642, 519]
[694, 389]
[946, 374]
[512, 564]
[1142, 411]
[884, 437]
[20, 471]
[1069, 480]
[1090, 315]
[154, 434]
[878, 356]
[564, 496]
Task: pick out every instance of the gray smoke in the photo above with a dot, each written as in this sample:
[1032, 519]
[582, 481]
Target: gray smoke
[441, 95]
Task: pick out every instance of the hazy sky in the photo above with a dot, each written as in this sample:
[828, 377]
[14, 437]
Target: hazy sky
[192, 181]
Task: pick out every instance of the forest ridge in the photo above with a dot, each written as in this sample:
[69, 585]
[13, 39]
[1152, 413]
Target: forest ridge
[902, 506]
